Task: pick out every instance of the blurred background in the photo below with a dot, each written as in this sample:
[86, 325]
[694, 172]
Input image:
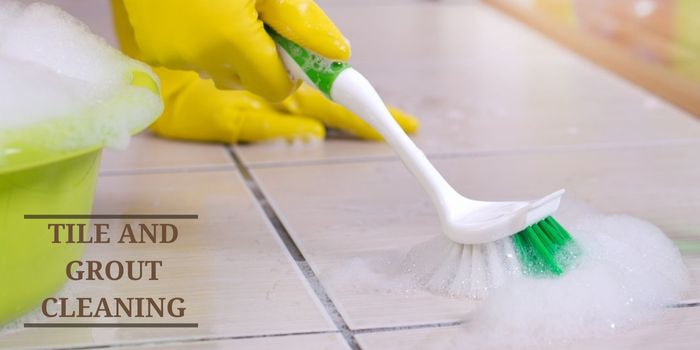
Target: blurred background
[661, 32]
[653, 43]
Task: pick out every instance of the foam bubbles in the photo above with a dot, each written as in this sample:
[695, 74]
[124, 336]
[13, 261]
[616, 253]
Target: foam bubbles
[63, 88]
[630, 272]
[627, 273]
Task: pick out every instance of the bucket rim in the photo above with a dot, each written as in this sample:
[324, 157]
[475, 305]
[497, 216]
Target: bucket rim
[145, 79]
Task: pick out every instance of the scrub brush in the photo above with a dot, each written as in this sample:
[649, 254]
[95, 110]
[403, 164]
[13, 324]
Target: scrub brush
[488, 237]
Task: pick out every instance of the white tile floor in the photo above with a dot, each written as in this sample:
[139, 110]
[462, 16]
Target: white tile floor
[375, 206]
[158, 154]
[507, 115]
[480, 82]
[229, 265]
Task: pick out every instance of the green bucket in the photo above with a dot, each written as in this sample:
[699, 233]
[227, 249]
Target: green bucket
[38, 181]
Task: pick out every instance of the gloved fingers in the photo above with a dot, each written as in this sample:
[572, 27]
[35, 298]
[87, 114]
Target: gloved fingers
[199, 112]
[354, 125]
[208, 127]
[203, 113]
[256, 66]
[196, 110]
[408, 123]
[338, 117]
[268, 125]
[305, 23]
[310, 102]
[223, 40]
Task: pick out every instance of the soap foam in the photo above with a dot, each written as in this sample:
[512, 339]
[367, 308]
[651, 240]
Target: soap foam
[628, 271]
[62, 87]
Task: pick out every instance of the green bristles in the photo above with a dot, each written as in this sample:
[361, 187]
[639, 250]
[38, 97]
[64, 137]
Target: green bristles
[545, 248]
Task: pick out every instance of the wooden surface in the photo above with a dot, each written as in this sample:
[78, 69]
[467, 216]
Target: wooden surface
[591, 37]
[506, 113]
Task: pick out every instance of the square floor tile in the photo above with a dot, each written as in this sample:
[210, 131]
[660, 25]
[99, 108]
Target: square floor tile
[675, 330]
[229, 266]
[149, 152]
[339, 211]
[481, 82]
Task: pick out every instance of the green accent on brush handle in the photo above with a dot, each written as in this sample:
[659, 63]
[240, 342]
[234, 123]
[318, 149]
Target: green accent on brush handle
[320, 70]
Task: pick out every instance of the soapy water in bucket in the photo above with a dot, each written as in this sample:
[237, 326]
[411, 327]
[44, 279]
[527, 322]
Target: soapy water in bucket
[64, 88]
[628, 271]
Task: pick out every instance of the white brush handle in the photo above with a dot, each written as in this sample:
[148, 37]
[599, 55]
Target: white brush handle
[354, 92]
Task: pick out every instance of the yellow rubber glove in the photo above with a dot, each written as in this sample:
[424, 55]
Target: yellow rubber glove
[196, 110]
[226, 39]
[311, 103]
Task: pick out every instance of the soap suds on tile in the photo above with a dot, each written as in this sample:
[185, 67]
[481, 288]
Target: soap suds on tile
[627, 273]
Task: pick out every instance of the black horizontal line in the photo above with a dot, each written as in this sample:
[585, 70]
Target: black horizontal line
[408, 327]
[110, 325]
[684, 304]
[111, 216]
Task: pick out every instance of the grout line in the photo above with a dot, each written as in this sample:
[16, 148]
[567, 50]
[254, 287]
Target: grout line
[572, 148]
[257, 336]
[192, 340]
[329, 161]
[485, 153]
[684, 304]
[167, 170]
[294, 251]
[411, 327]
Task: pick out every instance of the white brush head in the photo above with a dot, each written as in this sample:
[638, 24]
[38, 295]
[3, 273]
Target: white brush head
[478, 222]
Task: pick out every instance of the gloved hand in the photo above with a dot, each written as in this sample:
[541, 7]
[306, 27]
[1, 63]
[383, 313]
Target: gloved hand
[196, 110]
[226, 40]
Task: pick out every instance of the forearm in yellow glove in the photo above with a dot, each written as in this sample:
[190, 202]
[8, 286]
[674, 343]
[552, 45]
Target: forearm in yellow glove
[226, 39]
[196, 110]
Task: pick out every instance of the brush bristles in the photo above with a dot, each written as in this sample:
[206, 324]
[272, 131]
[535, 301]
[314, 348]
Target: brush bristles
[462, 270]
[474, 270]
[545, 248]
